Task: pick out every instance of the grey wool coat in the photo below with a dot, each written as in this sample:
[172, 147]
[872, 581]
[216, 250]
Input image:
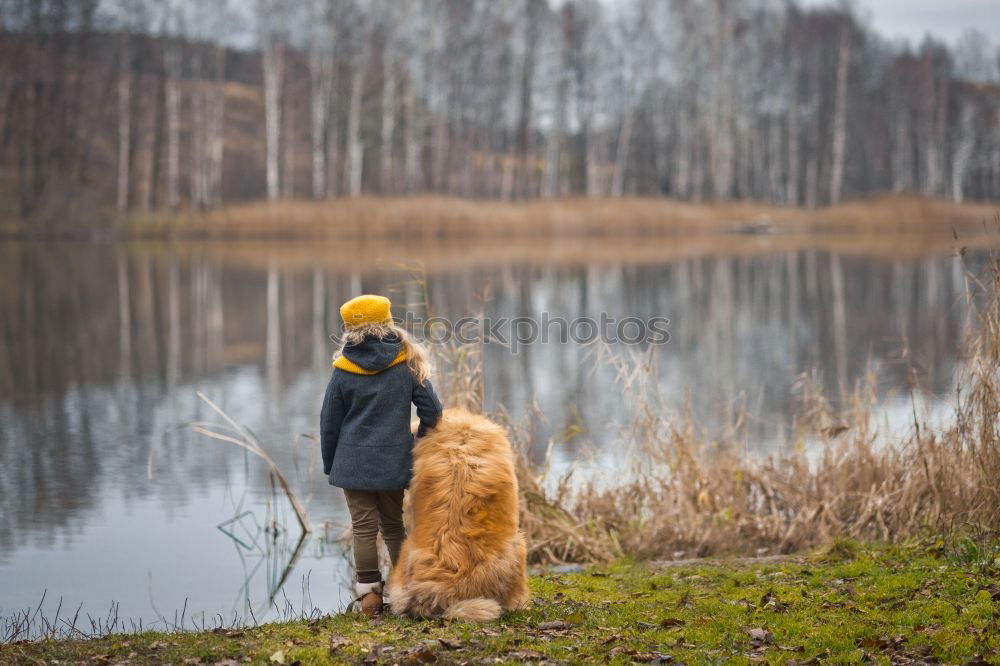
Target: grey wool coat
[365, 421]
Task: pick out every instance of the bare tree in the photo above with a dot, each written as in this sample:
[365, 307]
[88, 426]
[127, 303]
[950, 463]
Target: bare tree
[531, 26]
[124, 120]
[172, 65]
[840, 115]
[321, 79]
[388, 95]
[963, 151]
[273, 66]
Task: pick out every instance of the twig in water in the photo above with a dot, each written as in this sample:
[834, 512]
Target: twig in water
[251, 444]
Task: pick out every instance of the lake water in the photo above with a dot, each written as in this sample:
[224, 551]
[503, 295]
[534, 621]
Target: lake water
[106, 495]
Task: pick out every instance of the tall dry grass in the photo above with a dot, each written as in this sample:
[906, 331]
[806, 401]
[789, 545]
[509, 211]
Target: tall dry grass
[698, 495]
[428, 218]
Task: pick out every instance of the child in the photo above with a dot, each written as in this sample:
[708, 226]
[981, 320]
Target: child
[365, 431]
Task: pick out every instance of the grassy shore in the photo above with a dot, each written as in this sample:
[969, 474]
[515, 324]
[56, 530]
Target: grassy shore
[917, 603]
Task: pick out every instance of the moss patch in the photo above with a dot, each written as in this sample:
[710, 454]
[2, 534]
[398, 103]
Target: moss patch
[856, 605]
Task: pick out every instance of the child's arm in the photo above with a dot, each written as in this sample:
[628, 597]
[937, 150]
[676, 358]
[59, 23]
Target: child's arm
[330, 418]
[428, 406]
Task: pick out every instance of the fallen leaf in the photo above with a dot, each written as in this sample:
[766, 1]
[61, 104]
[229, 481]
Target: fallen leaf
[759, 635]
[672, 622]
[227, 662]
[451, 644]
[278, 657]
[883, 643]
[337, 642]
[556, 625]
[419, 655]
[791, 648]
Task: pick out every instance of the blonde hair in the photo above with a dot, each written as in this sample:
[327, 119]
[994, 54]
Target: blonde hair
[416, 356]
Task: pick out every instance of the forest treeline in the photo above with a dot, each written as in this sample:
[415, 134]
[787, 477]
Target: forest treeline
[148, 105]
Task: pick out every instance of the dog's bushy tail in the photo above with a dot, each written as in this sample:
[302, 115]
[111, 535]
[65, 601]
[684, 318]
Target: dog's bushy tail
[473, 610]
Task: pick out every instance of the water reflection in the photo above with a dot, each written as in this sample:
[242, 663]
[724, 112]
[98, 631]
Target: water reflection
[104, 348]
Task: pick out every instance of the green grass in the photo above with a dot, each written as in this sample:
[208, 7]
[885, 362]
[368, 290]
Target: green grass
[848, 604]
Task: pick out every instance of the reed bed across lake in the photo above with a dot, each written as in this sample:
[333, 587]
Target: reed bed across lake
[424, 218]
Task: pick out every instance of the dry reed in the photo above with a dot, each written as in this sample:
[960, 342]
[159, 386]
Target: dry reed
[234, 433]
[693, 495]
[436, 218]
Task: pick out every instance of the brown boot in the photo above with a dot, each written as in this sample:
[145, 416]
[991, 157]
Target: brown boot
[369, 601]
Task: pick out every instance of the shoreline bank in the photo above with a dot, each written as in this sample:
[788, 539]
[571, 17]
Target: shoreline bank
[847, 602]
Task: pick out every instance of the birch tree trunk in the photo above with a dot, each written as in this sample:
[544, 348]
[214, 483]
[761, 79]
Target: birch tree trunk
[792, 183]
[355, 149]
[621, 154]
[963, 152]
[273, 65]
[840, 117]
[682, 167]
[388, 115]
[902, 163]
[815, 136]
[172, 63]
[288, 146]
[215, 130]
[721, 137]
[550, 185]
[553, 167]
[937, 153]
[152, 144]
[524, 133]
[589, 156]
[124, 122]
[333, 152]
[196, 173]
[439, 128]
[413, 130]
[321, 84]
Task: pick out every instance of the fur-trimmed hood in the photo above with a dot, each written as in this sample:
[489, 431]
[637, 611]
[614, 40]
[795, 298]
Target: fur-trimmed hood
[372, 355]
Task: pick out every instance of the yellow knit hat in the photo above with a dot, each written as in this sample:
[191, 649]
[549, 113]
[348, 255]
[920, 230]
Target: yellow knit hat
[365, 310]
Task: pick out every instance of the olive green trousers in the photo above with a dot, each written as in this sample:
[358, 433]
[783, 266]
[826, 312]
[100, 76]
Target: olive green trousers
[373, 511]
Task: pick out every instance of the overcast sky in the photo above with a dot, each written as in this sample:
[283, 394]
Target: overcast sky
[945, 19]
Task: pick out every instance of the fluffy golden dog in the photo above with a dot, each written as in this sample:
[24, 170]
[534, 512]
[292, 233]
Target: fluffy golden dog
[464, 557]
